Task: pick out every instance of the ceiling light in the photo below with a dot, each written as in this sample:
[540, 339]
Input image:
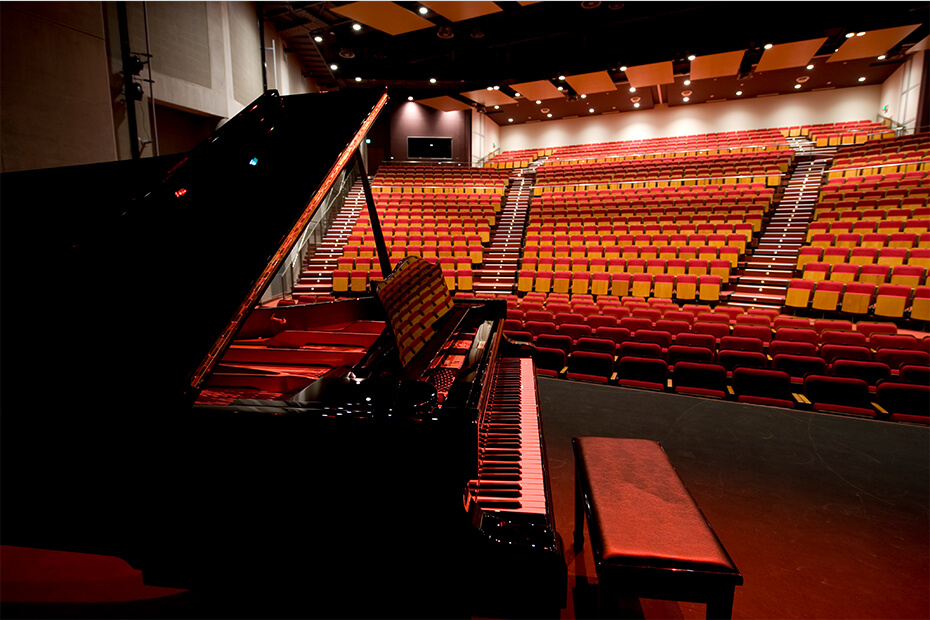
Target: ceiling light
[809, 67]
[850, 35]
[509, 120]
[497, 88]
[882, 57]
[356, 27]
[591, 110]
[797, 86]
[549, 115]
[410, 98]
[860, 34]
[432, 80]
[768, 46]
[623, 68]
[560, 89]
[497, 107]
[632, 89]
[538, 101]
[862, 79]
[561, 77]
[318, 39]
[692, 57]
[685, 99]
[687, 82]
[489, 88]
[423, 10]
[358, 79]
[738, 93]
[584, 96]
[334, 67]
[635, 105]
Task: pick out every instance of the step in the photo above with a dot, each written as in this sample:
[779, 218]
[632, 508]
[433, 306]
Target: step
[743, 297]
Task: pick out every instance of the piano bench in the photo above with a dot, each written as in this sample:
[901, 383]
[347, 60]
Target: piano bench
[648, 536]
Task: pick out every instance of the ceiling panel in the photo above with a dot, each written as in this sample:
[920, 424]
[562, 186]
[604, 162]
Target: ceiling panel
[384, 16]
[716, 65]
[872, 44]
[457, 11]
[920, 46]
[489, 97]
[587, 83]
[651, 75]
[789, 55]
[540, 89]
[445, 103]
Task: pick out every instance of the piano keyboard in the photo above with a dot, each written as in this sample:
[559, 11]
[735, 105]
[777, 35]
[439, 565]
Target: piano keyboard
[510, 467]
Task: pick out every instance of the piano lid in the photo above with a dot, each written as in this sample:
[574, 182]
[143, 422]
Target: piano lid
[137, 307]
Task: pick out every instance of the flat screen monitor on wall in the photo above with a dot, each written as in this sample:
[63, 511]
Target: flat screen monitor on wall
[429, 148]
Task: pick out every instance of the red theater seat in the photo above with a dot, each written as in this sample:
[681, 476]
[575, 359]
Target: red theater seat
[550, 362]
[905, 402]
[593, 366]
[843, 395]
[642, 372]
[698, 379]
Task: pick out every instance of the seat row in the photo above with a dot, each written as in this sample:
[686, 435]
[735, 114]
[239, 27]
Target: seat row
[705, 288]
[729, 253]
[859, 256]
[865, 227]
[889, 301]
[913, 274]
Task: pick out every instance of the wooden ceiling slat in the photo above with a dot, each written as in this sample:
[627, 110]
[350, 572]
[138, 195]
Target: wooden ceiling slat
[457, 10]
[716, 65]
[489, 97]
[789, 55]
[651, 75]
[588, 83]
[540, 89]
[444, 103]
[384, 16]
[872, 44]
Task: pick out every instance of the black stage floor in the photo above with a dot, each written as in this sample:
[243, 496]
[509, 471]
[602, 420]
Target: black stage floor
[825, 516]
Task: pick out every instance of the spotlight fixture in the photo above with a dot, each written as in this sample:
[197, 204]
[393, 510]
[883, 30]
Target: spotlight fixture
[797, 86]
[692, 57]
[538, 101]
[862, 79]
[410, 98]
[334, 67]
[584, 96]
[687, 82]
[850, 35]
[358, 79]
[768, 46]
[432, 80]
[489, 88]
[623, 68]
[497, 107]
[632, 89]
[882, 57]
[560, 89]
[809, 67]
[356, 27]
[497, 88]
[318, 39]
[635, 105]
[860, 34]
[738, 93]
[591, 110]
[686, 99]
[509, 120]
[549, 115]
[423, 10]
[562, 77]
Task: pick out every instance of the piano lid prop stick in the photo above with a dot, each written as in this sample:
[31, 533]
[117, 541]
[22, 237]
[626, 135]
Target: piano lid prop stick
[373, 216]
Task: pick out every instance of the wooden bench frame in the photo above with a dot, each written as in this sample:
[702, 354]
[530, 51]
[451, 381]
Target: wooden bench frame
[682, 582]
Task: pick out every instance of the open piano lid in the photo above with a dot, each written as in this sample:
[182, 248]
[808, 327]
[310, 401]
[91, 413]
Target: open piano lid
[145, 301]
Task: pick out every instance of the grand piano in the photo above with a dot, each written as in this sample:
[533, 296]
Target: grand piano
[369, 456]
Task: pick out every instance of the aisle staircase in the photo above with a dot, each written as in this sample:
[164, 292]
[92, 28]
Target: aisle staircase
[770, 264]
[498, 271]
[317, 274]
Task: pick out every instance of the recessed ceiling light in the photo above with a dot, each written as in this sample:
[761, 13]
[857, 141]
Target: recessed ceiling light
[860, 34]
[561, 77]
[623, 68]
[509, 120]
[489, 88]
[635, 105]
[356, 27]
[687, 82]
[549, 115]
[432, 80]
[692, 57]
[334, 67]
[591, 110]
[423, 10]
[686, 99]
[882, 57]
[632, 89]
[850, 35]
[584, 96]
[497, 88]
[538, 102]
[358, 79]
[410, 98]
[809, 67]
[560, 89]
[497, 107]
[797, 86]
[738, 93]
[768, 46]
[862, 79]
[318, 39]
